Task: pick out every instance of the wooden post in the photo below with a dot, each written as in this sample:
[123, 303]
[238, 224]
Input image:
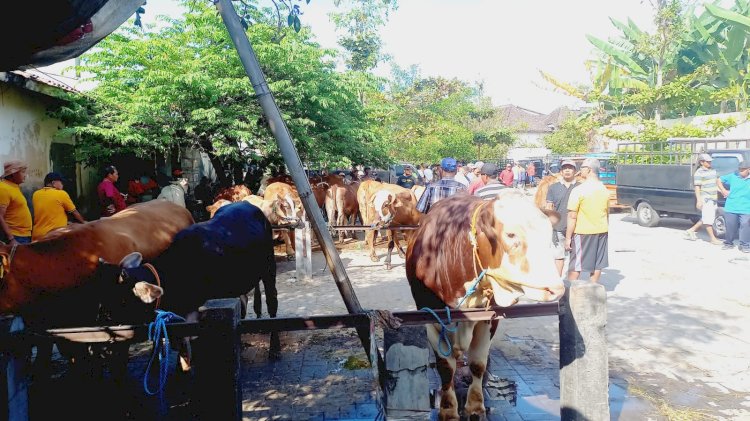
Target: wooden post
[407, 387]
[217, 361]
[14, 386]
[584, 371]
[303, 251]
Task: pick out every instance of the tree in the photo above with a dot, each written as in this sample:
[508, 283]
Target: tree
[361, 21]
[184, 86]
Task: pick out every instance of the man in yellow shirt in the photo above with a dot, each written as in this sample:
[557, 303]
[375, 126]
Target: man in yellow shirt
[15, 216]
[588, 224]
[52, 205]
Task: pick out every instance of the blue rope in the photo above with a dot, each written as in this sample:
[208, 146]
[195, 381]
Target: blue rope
[444, 330]
[472, 289]
[157, 330]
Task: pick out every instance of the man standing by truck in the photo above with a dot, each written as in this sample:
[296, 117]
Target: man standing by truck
[586, 236]
[706, 196]
[737, 206]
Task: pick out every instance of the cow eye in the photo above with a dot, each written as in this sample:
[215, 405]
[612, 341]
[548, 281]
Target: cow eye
[511, 235]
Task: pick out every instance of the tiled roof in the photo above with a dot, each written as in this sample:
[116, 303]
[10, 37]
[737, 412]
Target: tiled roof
[531, 121]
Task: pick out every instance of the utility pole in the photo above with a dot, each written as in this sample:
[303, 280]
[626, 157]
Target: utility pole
[292, 160]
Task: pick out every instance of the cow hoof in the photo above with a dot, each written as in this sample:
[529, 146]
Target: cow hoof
[388, 266]
[274, 352]
[374, 258]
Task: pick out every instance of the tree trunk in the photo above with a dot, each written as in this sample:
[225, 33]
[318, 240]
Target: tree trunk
[208, 148]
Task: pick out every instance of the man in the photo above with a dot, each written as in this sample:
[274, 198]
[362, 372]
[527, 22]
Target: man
[586, 236]
[428, 174]
[557, 200]
[737, 207]
[407, 180]
[531, 173]
[446, 187]
[460, 174]
[518, 173]
[506, 175]
[52, 205]
[477, 183]
[491, 185]
[705, 181]
[175, 192]
[15, 216]
[469, 172]
[110, 199]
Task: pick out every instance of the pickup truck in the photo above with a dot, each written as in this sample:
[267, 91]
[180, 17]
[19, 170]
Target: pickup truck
[656, 179]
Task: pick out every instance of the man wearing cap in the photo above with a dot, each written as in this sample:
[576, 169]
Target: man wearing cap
[586, 236]
[506, 175]
[446, 187]
[705, 181]
[110, 198]
[15, 216]
[491, 185]
[477, 182]
[737, 206]
[52, 205]
[558, 195]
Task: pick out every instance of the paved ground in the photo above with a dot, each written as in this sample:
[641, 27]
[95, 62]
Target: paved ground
[678, 333]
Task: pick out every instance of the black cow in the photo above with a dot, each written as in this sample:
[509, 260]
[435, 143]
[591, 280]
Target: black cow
[226, 256]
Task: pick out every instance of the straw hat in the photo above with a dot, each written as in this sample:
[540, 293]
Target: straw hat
[12, 167]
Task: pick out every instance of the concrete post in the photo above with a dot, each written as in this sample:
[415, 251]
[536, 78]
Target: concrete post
[303, 251]
[217, 357]
[584, 370]
[407, 355]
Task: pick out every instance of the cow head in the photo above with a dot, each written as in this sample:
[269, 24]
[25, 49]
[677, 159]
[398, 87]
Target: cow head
[527, 264]
[285, 209]
[385, 207]
[134, 285]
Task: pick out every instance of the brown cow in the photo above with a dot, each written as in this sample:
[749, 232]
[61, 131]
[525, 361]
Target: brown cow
[392, 206]
[233, 193]
[462, 236]
[71, 256]
[343, 208]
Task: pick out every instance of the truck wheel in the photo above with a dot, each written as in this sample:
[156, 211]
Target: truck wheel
[720, 224]
[647, 216]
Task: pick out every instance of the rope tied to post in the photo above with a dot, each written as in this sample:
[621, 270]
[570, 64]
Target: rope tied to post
[444, 330]
[157, 333]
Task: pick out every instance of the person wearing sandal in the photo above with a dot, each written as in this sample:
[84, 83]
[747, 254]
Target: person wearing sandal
[705, 181]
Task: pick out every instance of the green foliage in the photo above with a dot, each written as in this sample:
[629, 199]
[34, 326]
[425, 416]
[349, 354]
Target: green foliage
[648, 131]
[361, 21]
[573, 136]
[183, 85]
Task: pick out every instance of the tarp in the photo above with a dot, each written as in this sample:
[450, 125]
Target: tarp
[35, 33]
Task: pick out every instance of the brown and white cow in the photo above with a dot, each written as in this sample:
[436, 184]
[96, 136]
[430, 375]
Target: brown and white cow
[391, 206]
[70, 257]
[342, 207]
[512, 239]
[233, 193]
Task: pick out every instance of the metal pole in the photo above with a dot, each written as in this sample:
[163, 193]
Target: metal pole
[292, 160]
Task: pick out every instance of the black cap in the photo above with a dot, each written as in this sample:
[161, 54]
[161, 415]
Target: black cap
[53, 176]
[489, 169]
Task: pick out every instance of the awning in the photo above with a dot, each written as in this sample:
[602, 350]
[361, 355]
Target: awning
[36, 33]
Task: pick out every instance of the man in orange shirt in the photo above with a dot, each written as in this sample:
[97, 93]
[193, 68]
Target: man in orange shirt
[52, 205]
[15, 216]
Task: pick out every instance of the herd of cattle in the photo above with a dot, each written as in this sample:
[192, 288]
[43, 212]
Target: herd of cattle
[466, 253]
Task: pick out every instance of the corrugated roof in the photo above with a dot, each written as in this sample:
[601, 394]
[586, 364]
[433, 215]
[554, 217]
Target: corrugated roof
[36, 82]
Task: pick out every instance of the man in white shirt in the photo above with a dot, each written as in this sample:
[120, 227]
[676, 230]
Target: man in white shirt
[461, 175]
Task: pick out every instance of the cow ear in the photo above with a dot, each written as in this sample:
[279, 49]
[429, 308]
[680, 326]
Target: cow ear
[132, 260]
[148, 293]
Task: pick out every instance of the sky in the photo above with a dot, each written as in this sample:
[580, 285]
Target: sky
[502, 43]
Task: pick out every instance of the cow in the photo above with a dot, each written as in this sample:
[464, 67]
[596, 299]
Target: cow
[500, 246]
[226, 256]
[342, 206]
[233, 193]
[391, 206]
[540, 197]
[418, 191]
[55, 282]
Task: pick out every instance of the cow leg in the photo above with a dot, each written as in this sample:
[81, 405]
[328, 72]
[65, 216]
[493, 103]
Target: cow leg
[399, 249]
[258, 301]
[446, 368]
[288, 237]
[341, 220]
[478, 355]
[391, 238]
[370, 241]
[272, 302]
